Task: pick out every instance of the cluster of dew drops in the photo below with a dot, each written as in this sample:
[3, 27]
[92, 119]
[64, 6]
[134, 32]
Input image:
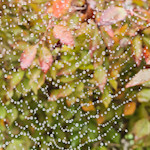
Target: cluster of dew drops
[57, 114]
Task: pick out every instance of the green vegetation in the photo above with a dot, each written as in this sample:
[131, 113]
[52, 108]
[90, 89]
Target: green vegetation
[74, 74]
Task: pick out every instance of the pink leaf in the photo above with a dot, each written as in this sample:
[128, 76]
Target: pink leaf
[112, 15]
[28, 56]
[45, 59]
[62, 33]
[140, 78]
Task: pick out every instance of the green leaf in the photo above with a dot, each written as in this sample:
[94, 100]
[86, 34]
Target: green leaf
[144, 95]
[2, 112]
[106, 97]
[66, 79]
[137, 49]
[146, 41]
[12, 116]
[16, 78]
[113, 83]
[141, 128]
[100, 77]
[80, 87]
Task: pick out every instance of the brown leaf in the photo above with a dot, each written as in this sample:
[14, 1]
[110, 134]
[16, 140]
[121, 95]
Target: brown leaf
[112, 15]
[62, 33]
[28, 56]
[45, 59]
[146, 53]
[129, 108]
[60, 7]
[140, 78]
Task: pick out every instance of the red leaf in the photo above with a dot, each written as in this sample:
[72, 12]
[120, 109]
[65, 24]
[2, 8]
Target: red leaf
[62, 33]
[112, 15]
[27, 57]
[60, 7]
[141, 77]
[147, 55]
[45, 59]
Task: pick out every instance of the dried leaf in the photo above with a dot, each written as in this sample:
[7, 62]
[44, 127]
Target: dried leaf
[129, 108]
[45, 59]
[28, 56]
[60, 7]
[140, 78]
[137, 49]
[112, 15]
[65, 35]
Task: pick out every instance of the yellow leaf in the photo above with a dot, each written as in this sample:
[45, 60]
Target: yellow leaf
[88, 107]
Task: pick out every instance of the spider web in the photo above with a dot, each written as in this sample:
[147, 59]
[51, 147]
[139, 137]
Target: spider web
[33, 121]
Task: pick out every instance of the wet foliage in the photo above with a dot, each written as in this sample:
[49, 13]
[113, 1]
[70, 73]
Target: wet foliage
[74, 74]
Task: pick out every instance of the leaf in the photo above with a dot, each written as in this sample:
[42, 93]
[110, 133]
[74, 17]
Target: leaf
[106, 97]
[146, 41]
[141, 128]
[69, 69]
[88, 106]
[37, 79]
[117, 14]
[113, 83]
[60, 7]
[71, 101]
[2, 112]
[100, 77]
[80, 87]
[45, 59]
[141, 77]
[144, 95]
[28, 56]
[146, 53]
[137, 49]
[12, 116]
[65, 35]
[129, 108]
[100, 119]
[63, 92]
[16, 78]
